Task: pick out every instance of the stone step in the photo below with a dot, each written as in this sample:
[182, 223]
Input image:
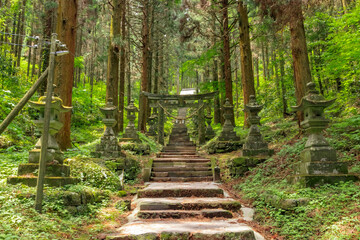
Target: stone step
[181, 179]
[177, 155]
[181, 144]
[160, 190]
[181, 164]
[182, 174]
[189, 204]
[181, 160]
[193, 153]
[181, 214]
[228, 229]
[180, 169]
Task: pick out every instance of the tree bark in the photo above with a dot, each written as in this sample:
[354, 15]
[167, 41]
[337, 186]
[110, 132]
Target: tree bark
[247, 73]
[112, 81]
[64, 71]
[301, 66]
[122, 67]
[144, 72]
[226, 51]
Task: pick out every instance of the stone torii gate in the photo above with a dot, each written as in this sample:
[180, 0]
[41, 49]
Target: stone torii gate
[163, 102]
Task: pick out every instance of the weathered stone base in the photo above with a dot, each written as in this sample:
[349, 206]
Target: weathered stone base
[31, 181]
[223, 146]
[317, 180]
[52, 170]
[318, 168]
[257, 152]
[316, 154]
[239, 166]
[136, 147]
[129, 140]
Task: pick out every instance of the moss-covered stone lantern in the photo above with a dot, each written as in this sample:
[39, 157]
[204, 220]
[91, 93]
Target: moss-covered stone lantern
[254, 145]
[228, 133]
[57, 174]
[209, 132]
[130, 131]
[152, 125]
[319, 164]
[109, 146]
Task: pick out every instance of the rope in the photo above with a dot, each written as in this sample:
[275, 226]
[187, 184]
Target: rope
[14, 44]
[181, 118]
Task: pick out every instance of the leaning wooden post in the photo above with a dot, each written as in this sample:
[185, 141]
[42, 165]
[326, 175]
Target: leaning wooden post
[161, 123]
[201, 122]
[45, 136]
[22, 102]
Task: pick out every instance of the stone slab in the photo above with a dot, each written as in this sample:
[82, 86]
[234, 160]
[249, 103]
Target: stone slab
[221, 229]
[188, 203]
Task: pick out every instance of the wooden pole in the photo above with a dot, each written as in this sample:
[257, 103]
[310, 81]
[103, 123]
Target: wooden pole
[161, 122]
[45, 135]
[22, 102]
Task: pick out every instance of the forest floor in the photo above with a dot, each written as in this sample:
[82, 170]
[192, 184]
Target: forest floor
[330, 212]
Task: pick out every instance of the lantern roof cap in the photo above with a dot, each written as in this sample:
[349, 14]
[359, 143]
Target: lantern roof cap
[56, 103]
[313, 98]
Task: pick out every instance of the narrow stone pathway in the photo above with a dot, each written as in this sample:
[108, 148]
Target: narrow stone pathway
[182, 202]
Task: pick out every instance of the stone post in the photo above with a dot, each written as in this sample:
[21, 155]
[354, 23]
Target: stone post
[319, 164]
[201, 123]
[152, 125]
[130, 131]
[109, 146]
[254, 145]
[57, 174]
[228, 133]
[209, 133]
[161, 122]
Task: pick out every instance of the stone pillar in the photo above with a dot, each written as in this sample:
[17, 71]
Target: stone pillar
[201, 123]
[109, 146]
[254, 145]
[228, 133]
[209, 133]
[318, 164]
[57, 174]
[152, 124]
[130, 131]
[161, 122]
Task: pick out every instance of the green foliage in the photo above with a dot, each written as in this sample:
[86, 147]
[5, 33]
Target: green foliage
[19, 220]
[92, 172]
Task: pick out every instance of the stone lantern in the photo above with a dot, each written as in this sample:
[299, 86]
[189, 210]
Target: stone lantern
[109, 146]
[152, 125]
[56, 174]
[228, 133]
[130, 131]
[209, 132]
[254, 145]
[319, 164]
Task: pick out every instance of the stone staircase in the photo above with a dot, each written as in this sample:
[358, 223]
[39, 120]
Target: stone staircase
[181, 202]
[179, 162]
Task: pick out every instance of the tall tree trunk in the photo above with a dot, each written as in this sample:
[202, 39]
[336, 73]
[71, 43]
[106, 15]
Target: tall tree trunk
[247, 72]
[256, 64]
[282, 82]
[112, 81]
[302, 73]
[144, 73]
[226, 51]
[66, 30]
[22, 32]
[122, 67]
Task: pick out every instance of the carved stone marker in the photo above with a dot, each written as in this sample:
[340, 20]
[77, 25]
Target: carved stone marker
[109, 146]
[152, 125]
[209, 133]
[130, 131]
[319, 164]
[57, 174]
[254, 145]
[228, 133]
